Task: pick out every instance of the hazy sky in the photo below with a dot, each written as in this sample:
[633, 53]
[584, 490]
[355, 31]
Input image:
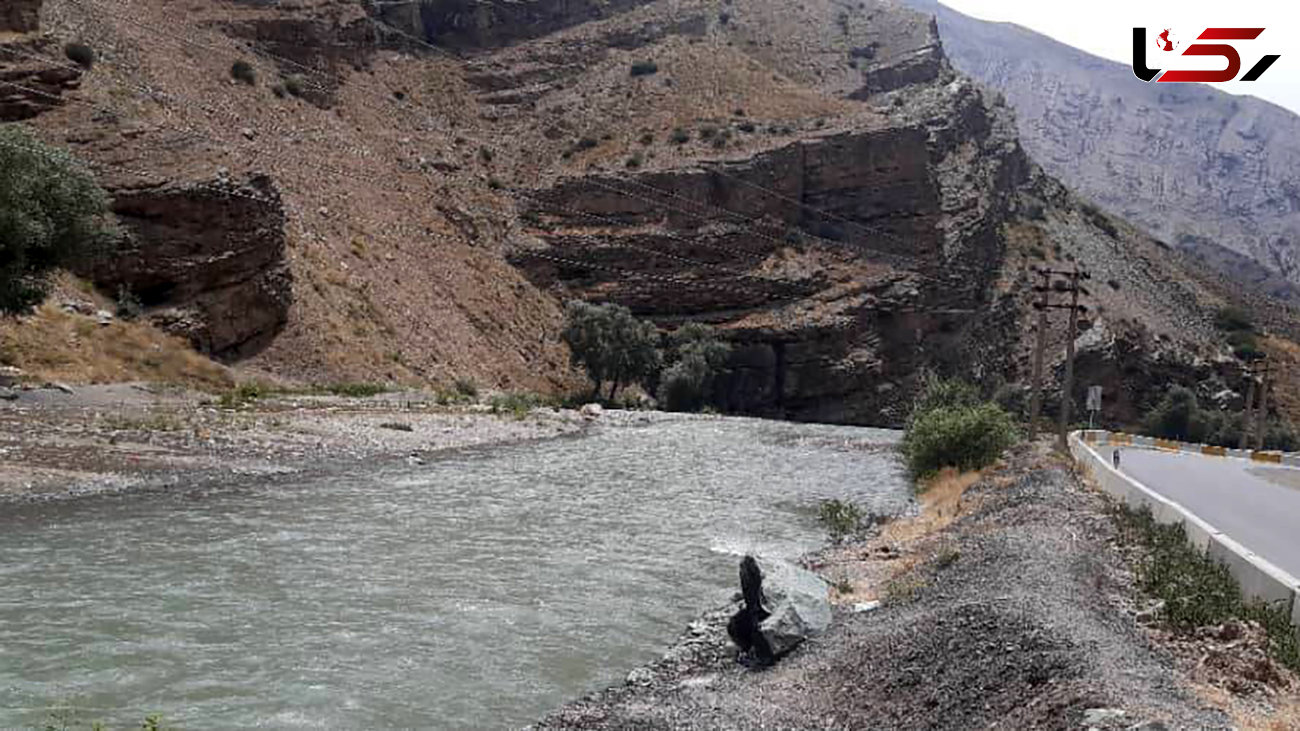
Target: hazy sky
[1105, 27]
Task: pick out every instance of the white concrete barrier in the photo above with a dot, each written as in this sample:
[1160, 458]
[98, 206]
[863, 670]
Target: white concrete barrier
[1259, 579]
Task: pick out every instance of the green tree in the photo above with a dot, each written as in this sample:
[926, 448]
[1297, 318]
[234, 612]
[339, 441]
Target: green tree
[965, 437]
[695, 356]
[51, 214]
[610, 344]
[1178, 416]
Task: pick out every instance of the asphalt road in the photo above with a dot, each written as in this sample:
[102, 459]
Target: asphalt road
[1256, 505]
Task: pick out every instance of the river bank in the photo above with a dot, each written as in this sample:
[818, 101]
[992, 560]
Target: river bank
[1009, 602]
[91, 440]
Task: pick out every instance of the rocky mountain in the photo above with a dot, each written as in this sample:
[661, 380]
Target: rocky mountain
[1214, 174]
[409, 192]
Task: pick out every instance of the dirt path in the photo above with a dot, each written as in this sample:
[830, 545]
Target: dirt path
[1020, 613]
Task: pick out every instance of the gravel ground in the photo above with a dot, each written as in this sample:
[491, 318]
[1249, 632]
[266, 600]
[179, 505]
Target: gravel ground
[1019, 614]
[98, 439]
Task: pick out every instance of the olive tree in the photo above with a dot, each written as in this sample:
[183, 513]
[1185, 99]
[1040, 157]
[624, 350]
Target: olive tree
[610, 344]
[695, 356]
[51, 214]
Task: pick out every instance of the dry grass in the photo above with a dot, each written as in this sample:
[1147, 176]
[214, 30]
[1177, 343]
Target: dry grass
[1285, 391]
[53, 345]
[886, 566]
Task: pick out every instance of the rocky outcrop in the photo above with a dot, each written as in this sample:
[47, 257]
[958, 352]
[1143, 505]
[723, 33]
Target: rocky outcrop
[318, 48]
[32, 86]
[884, 212]
[493, 23]
[20, 16]
[206, 262]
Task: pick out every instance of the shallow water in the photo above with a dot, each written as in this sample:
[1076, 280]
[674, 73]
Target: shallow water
[480, 590]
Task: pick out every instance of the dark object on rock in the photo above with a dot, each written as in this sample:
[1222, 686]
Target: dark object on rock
[80, 54]
[744, 625]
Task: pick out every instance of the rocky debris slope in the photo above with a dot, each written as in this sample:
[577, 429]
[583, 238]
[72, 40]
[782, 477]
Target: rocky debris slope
[1198, 168]
[1020, 614]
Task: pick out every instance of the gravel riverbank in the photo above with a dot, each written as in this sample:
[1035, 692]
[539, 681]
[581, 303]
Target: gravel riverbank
[1008, 604]
[125, 437]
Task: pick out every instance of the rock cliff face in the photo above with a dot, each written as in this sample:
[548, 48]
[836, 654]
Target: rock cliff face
[205, 261]
[30, 85]
[1200, 169]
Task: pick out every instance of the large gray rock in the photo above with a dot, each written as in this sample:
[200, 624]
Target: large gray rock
[797, 603]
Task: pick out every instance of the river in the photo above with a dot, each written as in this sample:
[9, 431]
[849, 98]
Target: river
[477, 591]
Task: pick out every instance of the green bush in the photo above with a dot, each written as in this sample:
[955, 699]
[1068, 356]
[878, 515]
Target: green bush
[645, 68]
[52, 215]
[295, 85]
[517, 405]
[1177, 416]
[939, 393]
[964, 437]
[610, 344]
[842, 519]
[1233, 319]
[243, 71]
[80, 54]
[680, 136]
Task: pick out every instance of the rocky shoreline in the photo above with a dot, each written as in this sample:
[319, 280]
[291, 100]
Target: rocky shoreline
[1007, 603]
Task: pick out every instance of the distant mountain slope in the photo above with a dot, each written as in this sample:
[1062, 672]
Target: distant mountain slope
[1196, 167]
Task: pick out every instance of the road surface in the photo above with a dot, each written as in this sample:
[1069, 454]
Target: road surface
[1256, 505]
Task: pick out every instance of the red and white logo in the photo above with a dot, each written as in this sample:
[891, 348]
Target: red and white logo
[1167, 43]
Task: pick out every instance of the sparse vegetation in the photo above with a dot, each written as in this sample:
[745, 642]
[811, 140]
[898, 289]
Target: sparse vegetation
[243, 394]
[680, 136]
[1197, 591]
[128, 305]
[396, 426]
[295, 85]
[951, 426]
[354, 390]
[243, 72]
[610, 344]
[52, 214]
[1236, 323]
[841, 519]
[645, 68]
[516, 404]
[485, 154]
[80, 54]
[635, 161]
[647, 139]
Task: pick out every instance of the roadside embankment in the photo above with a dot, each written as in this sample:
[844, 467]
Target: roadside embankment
[1010, 601]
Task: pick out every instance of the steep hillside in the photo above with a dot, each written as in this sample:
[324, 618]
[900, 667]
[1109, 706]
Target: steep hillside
[1215, 174]
[411, 194]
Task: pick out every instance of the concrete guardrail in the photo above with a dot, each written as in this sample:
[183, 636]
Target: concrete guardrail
[1259, 579]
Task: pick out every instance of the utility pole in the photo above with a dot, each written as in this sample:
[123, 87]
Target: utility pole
[1047, 285]
[1260, 418]
[1246, 423]
[1067, 388]
[1036, 397]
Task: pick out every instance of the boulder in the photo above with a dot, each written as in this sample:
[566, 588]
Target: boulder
[797, 603]
[591, 411]
[784, 605]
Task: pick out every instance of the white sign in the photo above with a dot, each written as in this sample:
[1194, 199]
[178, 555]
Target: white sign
[1094, 398]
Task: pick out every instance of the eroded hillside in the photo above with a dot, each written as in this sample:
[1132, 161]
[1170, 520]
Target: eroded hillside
[410, 194]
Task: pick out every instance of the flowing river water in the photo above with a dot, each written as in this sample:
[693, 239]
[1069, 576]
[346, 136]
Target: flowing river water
[477, 591]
